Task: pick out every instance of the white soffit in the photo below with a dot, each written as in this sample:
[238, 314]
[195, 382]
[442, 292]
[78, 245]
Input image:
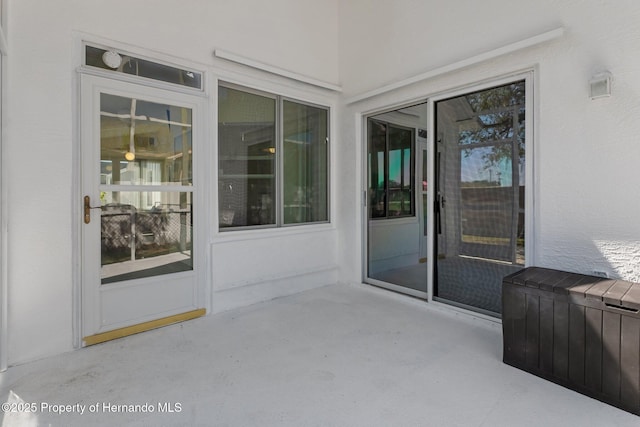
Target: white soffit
[455, 66]
[275, 70]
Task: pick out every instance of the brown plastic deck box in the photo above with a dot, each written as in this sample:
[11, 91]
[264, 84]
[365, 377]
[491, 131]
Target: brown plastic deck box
[582, 332]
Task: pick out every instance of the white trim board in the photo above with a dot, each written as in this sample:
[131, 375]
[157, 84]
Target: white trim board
[4, 284]
[459, 65]
[275, 70]
[4, 50]
[3, 214]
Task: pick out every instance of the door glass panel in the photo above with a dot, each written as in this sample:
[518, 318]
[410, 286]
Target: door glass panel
[480, 213]
[144, 143]
[145, 233]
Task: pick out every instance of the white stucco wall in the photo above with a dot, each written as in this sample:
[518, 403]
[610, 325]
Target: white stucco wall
[586, 151]
[299, 36]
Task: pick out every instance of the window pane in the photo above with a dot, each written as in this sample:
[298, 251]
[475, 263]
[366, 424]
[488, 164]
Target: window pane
[247, 158]
[305, 163]
[145, 233]
[144, 143]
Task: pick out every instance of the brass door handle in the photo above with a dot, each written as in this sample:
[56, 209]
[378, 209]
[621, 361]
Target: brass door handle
[87, 209]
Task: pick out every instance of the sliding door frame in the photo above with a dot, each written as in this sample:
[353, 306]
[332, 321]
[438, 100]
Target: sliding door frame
[416, 195]
[529, 75]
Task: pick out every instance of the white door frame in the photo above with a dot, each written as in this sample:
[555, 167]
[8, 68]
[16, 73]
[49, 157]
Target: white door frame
[90, 86]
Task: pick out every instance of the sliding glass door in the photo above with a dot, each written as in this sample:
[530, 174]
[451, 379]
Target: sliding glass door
[446, 211]
[396, 195]
[480, 204]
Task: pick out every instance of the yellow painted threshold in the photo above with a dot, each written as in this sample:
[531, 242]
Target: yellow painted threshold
[142, 327]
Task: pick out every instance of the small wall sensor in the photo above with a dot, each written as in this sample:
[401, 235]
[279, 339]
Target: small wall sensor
[112, 59]
[600, 85]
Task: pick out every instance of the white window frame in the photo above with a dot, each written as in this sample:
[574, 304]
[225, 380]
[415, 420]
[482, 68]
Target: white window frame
[279, 162]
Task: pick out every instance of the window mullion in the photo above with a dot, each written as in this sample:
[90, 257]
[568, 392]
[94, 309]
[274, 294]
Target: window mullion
[279, 162]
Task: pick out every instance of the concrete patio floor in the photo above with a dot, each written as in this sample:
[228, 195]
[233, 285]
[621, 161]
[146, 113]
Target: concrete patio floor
[333, 356]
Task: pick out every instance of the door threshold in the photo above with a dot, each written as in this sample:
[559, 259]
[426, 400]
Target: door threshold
[490, 315]
[142, 327]
[396, 288]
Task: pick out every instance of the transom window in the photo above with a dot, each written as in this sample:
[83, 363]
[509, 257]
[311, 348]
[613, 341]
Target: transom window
[272, 160]
[123, 63]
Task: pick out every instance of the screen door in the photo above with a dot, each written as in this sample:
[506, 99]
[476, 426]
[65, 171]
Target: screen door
[142, 257]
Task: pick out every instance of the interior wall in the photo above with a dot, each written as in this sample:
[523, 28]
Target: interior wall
[41, 120]
[585, 151]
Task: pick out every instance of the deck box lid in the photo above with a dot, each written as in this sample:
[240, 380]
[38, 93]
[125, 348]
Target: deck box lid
[632, 298]
[568, 282]
[519, 277]
[565, 283]
[584, 285]
[560, 282]
[614, 294]
[597, 291]
[532, 277]
[617, 293]
[543, 278]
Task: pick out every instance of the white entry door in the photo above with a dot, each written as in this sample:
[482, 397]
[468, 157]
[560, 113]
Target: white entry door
[143, 254]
